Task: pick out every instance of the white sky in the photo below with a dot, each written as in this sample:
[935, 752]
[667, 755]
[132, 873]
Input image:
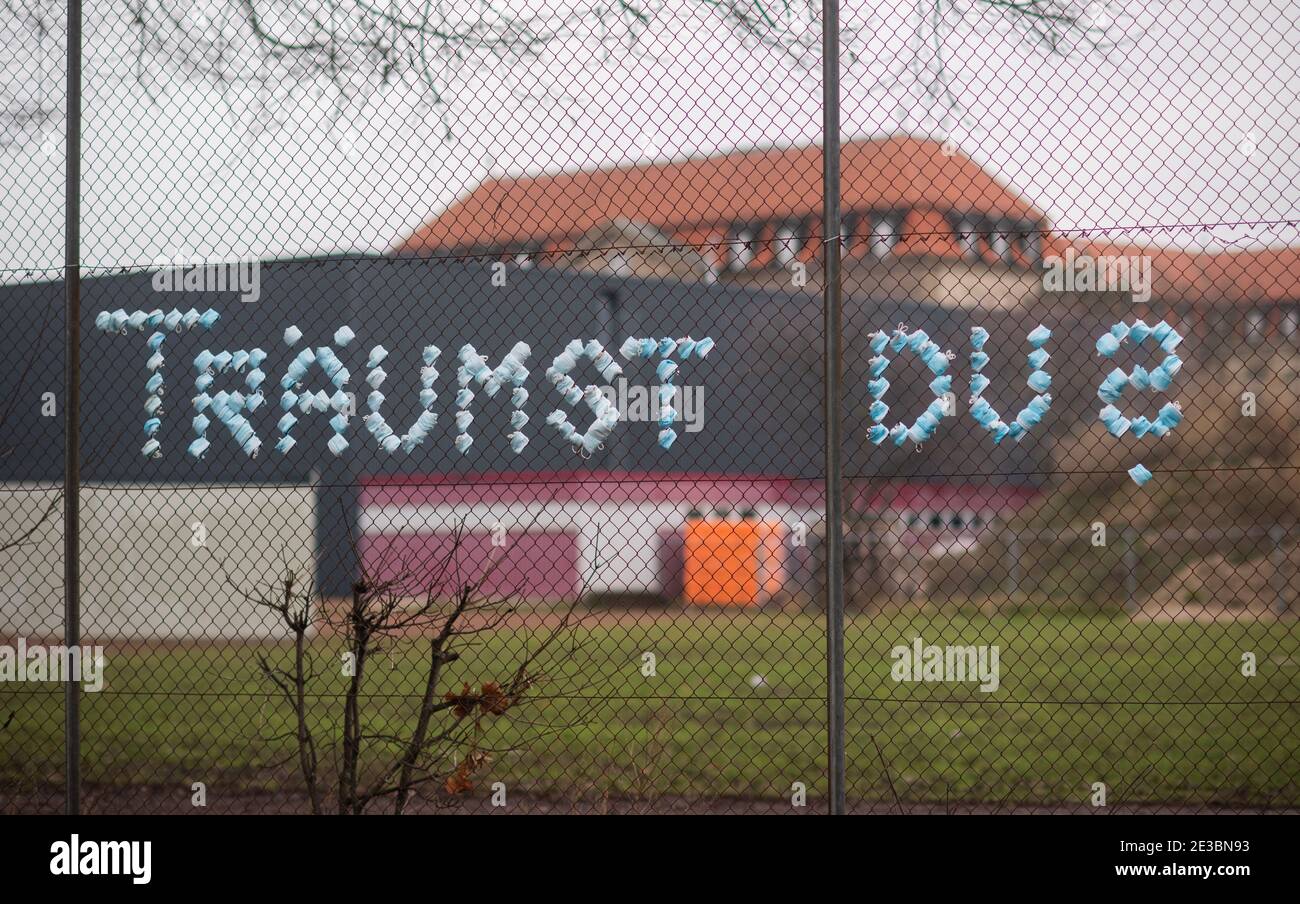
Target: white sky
[1195, 122]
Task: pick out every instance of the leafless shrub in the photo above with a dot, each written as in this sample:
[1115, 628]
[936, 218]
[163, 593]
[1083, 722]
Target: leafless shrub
[441, 746]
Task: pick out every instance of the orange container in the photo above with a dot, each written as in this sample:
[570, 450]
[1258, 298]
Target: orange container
[733, 563]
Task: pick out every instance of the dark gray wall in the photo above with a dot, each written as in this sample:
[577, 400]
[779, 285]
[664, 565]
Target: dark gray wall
[762, 384]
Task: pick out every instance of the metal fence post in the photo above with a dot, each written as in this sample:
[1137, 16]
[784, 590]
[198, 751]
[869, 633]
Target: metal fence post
[833, 345]
[72, 409]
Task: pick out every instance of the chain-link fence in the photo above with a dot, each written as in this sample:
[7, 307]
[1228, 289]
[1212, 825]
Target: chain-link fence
[452, 427]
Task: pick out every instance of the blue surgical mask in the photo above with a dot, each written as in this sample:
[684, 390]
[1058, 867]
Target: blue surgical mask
[1170, 416]
[1140, 378]
[1119, 426]
[983, 413]
[937, 362]
[1107, 345]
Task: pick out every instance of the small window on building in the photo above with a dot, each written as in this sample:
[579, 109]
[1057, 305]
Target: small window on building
[884, 235]
[1291, 324]
[968, 240]
[1000, 242]
[1256, 326]
[618, 264]
[1032, 246]
[740, 249]
[787, 244]
[848, 226]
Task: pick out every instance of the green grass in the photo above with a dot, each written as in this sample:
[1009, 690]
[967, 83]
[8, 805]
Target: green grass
[1157, 712]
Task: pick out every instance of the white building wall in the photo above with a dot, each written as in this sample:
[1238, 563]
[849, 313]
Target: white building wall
[145, 573]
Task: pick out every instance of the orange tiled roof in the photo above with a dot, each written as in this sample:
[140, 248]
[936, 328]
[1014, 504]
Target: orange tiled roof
[1267, 275]
[892, 173]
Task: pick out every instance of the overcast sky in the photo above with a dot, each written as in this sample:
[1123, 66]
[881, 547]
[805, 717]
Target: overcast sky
[1193, 120]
